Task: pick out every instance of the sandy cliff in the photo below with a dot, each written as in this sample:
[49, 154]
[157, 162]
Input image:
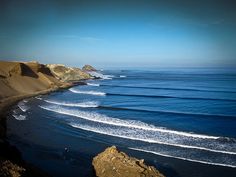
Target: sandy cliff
[18, 78]
[17, 81]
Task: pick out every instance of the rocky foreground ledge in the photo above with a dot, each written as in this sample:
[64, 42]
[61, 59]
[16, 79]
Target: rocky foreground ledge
[112, 163]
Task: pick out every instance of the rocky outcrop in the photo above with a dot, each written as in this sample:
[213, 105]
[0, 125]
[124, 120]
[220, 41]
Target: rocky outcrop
[112, 163]
[8, 169]
[88, 68]
[67, 73]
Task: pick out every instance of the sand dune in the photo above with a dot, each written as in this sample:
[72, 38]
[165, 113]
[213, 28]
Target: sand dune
[17, 78]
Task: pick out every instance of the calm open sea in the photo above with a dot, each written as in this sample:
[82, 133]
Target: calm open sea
[182, 121]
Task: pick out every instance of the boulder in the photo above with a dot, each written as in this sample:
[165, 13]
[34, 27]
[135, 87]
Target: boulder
[113, 163]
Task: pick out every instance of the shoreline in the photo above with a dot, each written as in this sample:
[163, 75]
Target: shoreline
[10, 153]
[22, 80]
[7, 103]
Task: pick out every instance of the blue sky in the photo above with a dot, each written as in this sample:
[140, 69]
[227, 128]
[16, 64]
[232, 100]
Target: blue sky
[120, 33]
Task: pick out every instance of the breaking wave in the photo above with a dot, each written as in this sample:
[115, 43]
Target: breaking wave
[87, 92]
[19, 117]
[89, 104]
[140, 131]
[100, 75]
[23, 106]
[93, 84]
[39, 97]
[182, 158]
[95, 117]
[160, 138]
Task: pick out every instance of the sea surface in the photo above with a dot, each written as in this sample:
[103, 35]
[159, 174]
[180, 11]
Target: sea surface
[182, 121]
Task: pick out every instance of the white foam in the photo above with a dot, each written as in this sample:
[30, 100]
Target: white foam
[22, 106]
[38, 97]
[182, 158]
[108, 76]
[87, 92]
[121, 76]
[95, 117]
[19, 117]
[89, 104]
[100, 75]
[93, 84]
[145, 139]
[147, 133]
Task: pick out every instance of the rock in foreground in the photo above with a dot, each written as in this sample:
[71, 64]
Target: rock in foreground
[8, 169]
[112, 163]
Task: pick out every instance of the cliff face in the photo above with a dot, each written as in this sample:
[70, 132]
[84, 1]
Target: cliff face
[113, 163]
[17, 78]
[67, 73]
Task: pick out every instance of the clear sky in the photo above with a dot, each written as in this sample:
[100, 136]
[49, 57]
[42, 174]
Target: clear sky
[120, 33]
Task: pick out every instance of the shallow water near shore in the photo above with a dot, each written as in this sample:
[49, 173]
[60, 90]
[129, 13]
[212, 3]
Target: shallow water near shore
[181, 121]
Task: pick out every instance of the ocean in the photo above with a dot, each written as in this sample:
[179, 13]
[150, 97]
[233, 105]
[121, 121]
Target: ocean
[182, 121]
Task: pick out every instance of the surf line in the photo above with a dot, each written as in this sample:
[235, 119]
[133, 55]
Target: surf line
[88, 92]
[182, 158]
[118, 122]
[154, 141]
[88, 104]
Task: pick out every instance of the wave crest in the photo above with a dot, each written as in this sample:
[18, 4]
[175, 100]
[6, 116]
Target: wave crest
[23, 107]
[19, 117]
[89, 104]
[93, 84]
[95, 117]
[87, 92]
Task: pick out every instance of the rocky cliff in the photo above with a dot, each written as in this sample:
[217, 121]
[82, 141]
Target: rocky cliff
[66, 74]
[112, 163]
[88, 68]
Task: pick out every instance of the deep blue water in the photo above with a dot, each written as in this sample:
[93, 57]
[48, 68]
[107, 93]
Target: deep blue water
[182, 121]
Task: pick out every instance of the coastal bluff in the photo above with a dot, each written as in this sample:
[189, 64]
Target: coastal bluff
[19, 80]
[113, 163]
